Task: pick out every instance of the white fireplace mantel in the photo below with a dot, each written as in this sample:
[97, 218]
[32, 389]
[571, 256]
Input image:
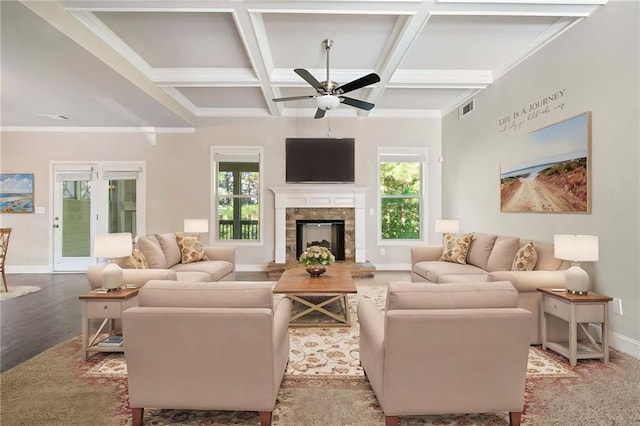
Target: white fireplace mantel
[319, 196]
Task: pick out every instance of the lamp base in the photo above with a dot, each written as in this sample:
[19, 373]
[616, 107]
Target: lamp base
[578, 292]
[577, 280]
[111, 277]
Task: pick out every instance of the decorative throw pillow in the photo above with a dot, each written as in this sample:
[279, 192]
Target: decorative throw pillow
[191, 248]
[456, 248]
[526, 258]
[135, 260]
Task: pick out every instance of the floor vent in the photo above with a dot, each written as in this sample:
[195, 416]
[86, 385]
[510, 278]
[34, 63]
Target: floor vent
[467, 108]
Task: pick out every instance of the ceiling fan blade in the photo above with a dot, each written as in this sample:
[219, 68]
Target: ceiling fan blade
[357, 103]
[357, 83]
[319, 113]
[306, 75]
[292, 98]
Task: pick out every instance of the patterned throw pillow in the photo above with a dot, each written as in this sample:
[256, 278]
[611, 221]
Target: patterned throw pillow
[135, 260]
[456, 248]
[191, 248]
[526, 258]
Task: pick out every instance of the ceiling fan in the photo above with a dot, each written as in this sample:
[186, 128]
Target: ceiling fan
[329, 93]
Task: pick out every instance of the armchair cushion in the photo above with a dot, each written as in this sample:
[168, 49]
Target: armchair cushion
[206, 295]
[500, 294]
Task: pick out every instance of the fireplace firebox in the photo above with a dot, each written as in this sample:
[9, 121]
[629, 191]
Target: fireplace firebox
[321, 232]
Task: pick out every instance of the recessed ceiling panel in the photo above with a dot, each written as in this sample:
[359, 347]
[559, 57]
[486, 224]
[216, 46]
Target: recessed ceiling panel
[436, 99]
[44, 72]
[180, 40]
[224, 97]
[358, 40]
[473, 42]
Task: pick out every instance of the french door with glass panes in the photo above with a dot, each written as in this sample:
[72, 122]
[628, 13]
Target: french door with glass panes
[91, 198]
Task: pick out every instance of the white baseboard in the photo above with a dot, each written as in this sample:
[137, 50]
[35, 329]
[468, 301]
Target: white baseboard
[251, 268]
[618, 341]
[28, 270]
[393, 267]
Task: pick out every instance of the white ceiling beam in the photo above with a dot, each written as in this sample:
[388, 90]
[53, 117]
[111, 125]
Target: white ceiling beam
[516, 8]
[442, 78]
[206, 77]
[67, 24]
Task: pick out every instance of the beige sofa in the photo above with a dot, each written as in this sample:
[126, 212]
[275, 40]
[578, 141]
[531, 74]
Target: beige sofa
[490, 258]
[206, 346]
[471, 356]
[162, 253]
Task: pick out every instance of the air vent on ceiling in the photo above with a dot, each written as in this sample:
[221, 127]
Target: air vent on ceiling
[53, 116]
[467, 108]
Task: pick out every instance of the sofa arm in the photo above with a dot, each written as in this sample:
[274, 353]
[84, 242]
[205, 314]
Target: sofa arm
[424, 253]
[222, 253]
[371, 341]
[139, 277]
[530, 281]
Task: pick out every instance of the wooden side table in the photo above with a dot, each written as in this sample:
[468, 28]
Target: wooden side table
[108, 307]
[577, 310]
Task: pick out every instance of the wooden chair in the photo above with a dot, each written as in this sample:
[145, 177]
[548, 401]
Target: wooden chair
[5, 233]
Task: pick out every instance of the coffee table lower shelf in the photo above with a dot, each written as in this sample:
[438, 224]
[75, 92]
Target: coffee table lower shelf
[312, 303]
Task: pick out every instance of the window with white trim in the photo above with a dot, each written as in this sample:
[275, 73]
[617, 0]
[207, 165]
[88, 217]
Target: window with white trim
[237, 192]
[401, 193]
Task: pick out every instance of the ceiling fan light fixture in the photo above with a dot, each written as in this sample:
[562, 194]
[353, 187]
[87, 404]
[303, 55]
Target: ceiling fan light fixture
[328, 102]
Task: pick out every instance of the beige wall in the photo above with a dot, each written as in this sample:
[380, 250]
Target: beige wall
[596, 64]
[178, 174]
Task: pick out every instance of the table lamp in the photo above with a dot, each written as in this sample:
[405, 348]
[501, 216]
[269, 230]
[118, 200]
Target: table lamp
[448, 226]
[576, 248]
[110, 246]
[196, 226]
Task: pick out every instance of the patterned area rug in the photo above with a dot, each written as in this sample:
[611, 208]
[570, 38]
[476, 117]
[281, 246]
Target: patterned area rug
[18, 291]
[333, 351]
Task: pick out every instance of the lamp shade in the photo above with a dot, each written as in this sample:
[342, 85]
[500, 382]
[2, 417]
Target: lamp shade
[447, 226]
[196, 225]
[112, 245]
[327, 102]
[577, 248]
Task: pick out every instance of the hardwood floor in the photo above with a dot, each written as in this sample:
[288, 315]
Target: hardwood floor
[35, 322]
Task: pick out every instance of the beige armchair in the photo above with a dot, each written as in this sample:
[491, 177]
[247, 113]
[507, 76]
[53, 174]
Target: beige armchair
[206, 346]
[446, 349]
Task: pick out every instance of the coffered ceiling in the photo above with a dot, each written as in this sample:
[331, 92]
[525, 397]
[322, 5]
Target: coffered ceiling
[175, 64]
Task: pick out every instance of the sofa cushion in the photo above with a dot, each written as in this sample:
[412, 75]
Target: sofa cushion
[135, 260]
[433, 269]
[169, 244]
[191, 248]
[546, 258]
[206, 295]
[464, 278]
[150, 248]
[525, 258]
[456, 248]
[218, 269]
[499, 294]
[504, 250]
[480, 249]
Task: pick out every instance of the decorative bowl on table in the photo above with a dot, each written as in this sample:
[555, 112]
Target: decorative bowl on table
[316, 259]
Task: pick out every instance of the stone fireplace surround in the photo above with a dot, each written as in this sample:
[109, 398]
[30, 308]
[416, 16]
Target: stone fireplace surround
[330, 201]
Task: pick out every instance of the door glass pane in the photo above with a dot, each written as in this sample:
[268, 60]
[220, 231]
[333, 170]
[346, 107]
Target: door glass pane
[122, 206]
[76, 214]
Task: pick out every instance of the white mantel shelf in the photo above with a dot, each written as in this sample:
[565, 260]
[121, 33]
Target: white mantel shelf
[319, 196]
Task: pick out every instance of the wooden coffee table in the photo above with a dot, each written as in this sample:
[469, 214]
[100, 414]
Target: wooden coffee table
[316, 294]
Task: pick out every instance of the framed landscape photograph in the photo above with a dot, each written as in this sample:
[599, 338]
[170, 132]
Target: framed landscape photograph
[552, 171]
[16, 192]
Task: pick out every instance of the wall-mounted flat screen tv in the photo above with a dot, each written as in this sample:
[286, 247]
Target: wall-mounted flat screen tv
[328, 160]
